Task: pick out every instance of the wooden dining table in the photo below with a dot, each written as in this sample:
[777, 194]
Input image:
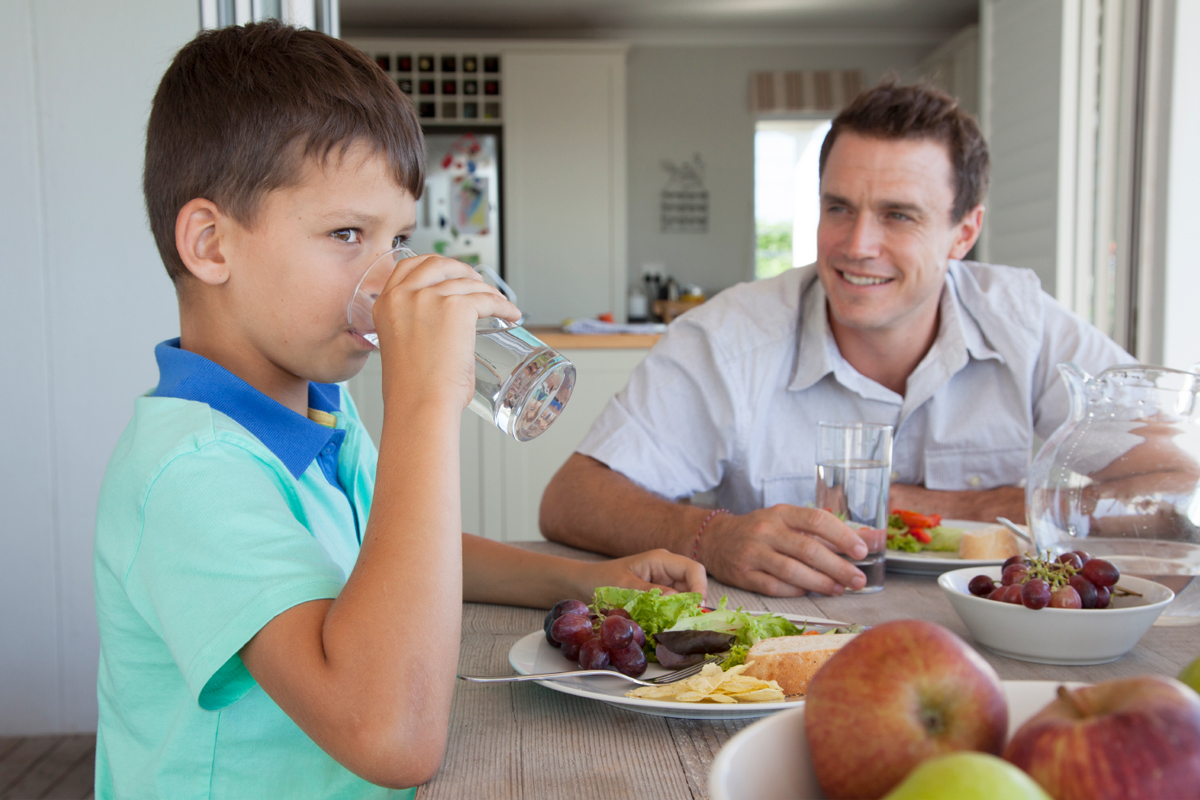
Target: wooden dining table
[522, 740]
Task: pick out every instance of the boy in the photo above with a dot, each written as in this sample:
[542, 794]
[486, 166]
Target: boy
[279, 617]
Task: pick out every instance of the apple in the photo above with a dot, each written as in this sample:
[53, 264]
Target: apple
[1191, 675]
[897, 695]
[968, 776]
[1130, 738]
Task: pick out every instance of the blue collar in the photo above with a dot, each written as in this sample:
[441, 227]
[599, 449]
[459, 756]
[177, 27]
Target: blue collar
[294, 439]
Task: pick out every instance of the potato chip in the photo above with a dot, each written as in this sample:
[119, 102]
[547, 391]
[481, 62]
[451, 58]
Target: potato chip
[714, 685]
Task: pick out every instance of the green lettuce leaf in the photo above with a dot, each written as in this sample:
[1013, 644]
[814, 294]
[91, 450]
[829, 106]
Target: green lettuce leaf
[737, 656]
[750, 629]
[652, 610]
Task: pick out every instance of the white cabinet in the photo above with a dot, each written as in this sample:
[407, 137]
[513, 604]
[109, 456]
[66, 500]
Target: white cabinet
[502, 479]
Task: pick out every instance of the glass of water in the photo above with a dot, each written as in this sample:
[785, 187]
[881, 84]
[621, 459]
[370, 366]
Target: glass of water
[521, 385]
[854, 463]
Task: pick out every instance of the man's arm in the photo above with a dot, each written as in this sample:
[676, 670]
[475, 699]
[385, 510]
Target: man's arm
[983, 505]
[783, 551]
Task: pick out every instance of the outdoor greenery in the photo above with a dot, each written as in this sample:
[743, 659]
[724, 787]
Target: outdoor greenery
[773, 252]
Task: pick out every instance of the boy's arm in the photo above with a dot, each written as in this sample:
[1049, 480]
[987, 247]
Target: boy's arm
[369, 675]
[500, 573]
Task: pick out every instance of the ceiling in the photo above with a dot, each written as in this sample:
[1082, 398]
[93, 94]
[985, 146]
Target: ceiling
[639, 19]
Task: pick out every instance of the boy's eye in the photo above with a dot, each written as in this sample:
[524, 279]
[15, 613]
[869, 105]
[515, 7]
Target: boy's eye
[347, 235]
[399, 241]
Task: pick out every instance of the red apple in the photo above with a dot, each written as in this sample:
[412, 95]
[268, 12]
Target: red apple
[1132, 738]
[900, 693]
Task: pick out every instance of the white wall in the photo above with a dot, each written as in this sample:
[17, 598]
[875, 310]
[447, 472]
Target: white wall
[1181, 323]
[1023, 40]
[85, 300]
[686, 99]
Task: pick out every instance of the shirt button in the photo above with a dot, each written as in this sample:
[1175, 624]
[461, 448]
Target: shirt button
[974, 481]
[895, 475]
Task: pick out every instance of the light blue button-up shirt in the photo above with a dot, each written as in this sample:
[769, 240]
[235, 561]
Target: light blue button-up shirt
[729, 399]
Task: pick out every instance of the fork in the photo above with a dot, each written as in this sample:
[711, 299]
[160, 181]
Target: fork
[670, 677]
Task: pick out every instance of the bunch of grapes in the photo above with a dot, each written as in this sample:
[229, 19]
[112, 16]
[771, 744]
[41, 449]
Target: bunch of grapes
[1074, 580]
[597, 641]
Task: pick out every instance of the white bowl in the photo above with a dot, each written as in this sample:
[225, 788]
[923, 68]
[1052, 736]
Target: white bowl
[1056, 635]
[769, 760]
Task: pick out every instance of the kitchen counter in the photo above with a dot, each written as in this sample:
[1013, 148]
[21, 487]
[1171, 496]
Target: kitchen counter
[560, 340]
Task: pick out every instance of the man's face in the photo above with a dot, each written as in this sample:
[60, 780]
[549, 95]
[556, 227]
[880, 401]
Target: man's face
[885, 235]
[295, 269]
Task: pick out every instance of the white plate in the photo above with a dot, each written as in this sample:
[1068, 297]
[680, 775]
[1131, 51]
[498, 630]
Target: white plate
[930, 563]
[1056, 635]
[770, 759]
[533, 654]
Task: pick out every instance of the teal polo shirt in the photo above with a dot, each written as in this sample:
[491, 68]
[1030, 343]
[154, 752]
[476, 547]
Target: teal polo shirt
[220, 508]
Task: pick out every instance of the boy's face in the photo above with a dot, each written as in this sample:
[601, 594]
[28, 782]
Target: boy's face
[293, 272]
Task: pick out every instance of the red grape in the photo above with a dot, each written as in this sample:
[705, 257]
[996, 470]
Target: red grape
[616, 633]
[639, 635]
[1084, 555]
[560, 608]
[1071, 559]
[572, 629]
[1086, 589]
[1014, 573]
[1103, 596]
[617, 612]
[1035, 594]
[1101, 572]
[1065, 597]
[981, 586]
[1011, 594]
[570, 651]
[1013, 560]
[592, 654]
[997, 593]
[630, 661]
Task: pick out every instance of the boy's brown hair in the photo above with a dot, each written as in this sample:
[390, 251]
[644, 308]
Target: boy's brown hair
[894, 111]
[241, 109]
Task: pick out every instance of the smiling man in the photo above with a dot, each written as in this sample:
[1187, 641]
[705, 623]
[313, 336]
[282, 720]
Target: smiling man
[890, 325]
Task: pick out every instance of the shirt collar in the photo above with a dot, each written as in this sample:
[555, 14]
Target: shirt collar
[958, 336]
[294, 439]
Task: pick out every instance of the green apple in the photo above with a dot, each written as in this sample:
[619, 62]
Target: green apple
[1191, 675]
[968, 776]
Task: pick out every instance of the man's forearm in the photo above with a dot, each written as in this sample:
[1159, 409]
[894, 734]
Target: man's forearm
[983, 505]
[590, 506]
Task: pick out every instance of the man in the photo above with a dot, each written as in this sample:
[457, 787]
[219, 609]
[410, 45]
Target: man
[888, 326]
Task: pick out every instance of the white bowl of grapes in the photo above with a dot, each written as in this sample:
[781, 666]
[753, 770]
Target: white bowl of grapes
[1072, 609]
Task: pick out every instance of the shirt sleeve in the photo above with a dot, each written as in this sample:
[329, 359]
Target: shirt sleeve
[672, 429]
[1066, 337]
[222, 552]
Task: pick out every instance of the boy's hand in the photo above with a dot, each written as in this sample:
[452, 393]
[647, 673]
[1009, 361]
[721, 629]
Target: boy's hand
[654, 569]
[425, 318]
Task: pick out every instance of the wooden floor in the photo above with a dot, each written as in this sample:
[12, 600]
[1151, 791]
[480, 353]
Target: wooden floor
[47, 766]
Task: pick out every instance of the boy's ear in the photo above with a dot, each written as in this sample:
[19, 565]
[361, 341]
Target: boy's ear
[198, 241]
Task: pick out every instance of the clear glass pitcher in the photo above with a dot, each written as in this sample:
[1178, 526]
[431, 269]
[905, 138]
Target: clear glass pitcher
[1121, 477]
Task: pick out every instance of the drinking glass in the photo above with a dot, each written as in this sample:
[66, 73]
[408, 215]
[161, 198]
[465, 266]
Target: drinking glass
[854, 462]
[521, 385]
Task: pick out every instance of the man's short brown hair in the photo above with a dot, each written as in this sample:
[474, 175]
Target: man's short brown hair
[893, 111]
[241, 109]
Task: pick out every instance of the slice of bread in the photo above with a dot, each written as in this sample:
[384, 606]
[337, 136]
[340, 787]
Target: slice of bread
[793, 660]
[995, 542]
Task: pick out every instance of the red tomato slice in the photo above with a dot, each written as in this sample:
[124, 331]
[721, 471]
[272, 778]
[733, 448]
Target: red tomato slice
[914, 520]
[921, 535]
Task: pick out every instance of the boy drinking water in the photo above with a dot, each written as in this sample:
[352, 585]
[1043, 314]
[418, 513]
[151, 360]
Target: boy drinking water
[279, 603]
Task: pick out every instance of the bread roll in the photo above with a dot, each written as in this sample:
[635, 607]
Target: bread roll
[793, 660]
[995, 542]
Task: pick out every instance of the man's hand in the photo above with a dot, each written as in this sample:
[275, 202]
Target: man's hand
[983, 505]
[785, 551]
[655, 569]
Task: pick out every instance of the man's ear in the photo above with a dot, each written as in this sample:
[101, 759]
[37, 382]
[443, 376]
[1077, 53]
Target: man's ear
[198, 240]
[968, 229]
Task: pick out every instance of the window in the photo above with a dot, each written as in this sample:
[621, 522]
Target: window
[786, 193]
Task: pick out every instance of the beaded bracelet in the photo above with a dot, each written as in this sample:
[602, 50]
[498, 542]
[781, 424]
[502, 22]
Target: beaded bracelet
[703, 525]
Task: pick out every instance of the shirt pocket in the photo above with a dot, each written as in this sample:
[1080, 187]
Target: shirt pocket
[798, 488]
[964, 470]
